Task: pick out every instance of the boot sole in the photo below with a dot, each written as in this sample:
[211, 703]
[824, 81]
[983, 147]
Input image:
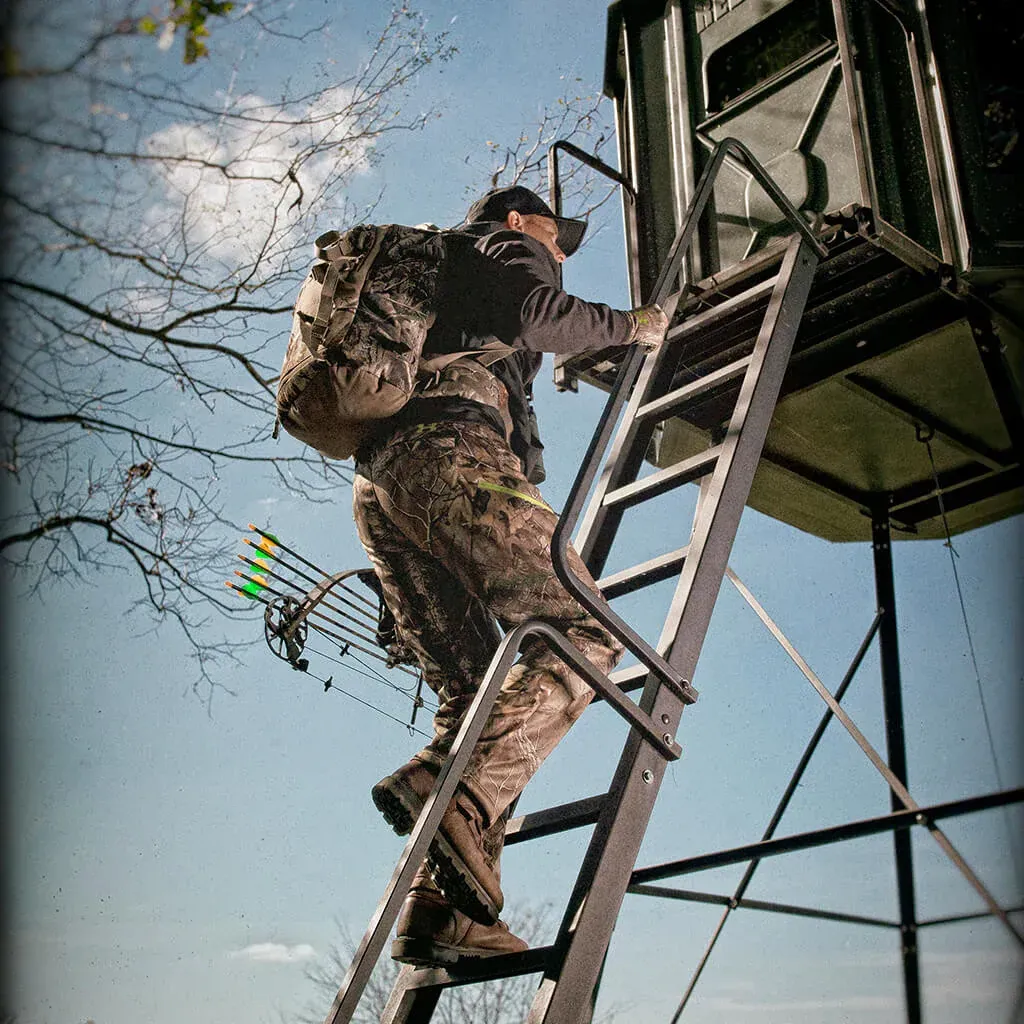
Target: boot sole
[458, 884]
[399, 803]
[427, 953]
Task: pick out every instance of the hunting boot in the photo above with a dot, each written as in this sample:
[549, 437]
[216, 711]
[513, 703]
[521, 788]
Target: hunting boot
[432, 933]
[456, 858]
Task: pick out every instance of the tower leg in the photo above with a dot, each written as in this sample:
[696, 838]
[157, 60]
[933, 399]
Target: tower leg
[892, 694]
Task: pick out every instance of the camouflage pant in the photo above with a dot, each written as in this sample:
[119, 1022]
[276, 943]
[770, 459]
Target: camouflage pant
[459, 538]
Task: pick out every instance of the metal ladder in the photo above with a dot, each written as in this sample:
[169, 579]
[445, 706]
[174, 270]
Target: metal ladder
[642, 397]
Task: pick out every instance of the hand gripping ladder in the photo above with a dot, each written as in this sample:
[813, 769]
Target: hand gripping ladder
[571, 967]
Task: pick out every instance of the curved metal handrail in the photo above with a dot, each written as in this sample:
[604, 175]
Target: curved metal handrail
[429, 818]
[674, 265]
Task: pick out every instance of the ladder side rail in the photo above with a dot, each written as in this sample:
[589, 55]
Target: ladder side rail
[797, 272]
[615, 844]
[722, 506]
[427, 823]
[635, 361]
[600, 523]
[665, 684]
[631, 366]
[597, 605]
[626, 457]
[386, 914]
[410, 1004]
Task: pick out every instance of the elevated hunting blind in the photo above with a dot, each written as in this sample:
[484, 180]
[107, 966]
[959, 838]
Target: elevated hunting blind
[892, 126]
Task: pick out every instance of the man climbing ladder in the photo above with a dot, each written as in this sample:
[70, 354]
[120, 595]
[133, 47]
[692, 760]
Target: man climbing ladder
[446, 505]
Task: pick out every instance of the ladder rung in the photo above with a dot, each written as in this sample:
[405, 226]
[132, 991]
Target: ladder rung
[707, 319]
[530, 961]
[663, 407]
[631, 678]
[553, 820]
[664, 480]
[653, 571]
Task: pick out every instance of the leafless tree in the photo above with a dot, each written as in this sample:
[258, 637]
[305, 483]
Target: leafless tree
[157, 216]
[503, 1001]
[576, 116]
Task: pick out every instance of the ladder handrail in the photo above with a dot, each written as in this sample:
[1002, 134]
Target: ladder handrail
[593, 162]
[627, 377]
[597, 164]
[352, 987]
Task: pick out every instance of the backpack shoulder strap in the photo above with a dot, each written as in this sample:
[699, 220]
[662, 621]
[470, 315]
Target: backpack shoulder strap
[487, 355]
[336, 249]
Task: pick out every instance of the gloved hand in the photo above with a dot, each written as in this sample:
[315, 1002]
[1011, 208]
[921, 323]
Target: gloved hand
[649, 326]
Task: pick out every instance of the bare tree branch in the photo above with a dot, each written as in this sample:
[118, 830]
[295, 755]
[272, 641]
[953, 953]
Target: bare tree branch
[580, 119]
[153, 240]
[153, 243]
[160, 333]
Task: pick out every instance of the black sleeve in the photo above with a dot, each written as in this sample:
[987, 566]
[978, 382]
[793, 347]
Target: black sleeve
[510, 291]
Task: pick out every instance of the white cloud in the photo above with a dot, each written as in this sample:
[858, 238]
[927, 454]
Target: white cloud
[275, 953]
[975, 977]
[864, 1002]
[227, 216]
[166, 40]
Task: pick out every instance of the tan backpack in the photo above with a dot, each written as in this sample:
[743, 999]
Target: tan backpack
[357, 334]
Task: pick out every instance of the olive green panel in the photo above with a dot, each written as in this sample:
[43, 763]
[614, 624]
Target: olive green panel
[1004, 294]
[775, 491]
[780, 495]
[942, 374]
[857, 431]
[801, 134]
[783, 495]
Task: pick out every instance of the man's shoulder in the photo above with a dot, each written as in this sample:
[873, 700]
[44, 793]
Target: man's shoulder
[507, 240]
[515, 249]
[523, 261]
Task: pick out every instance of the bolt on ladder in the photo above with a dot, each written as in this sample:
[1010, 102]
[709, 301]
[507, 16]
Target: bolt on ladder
[643, 396]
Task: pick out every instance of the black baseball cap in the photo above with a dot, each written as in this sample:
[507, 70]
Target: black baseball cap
[499, 202]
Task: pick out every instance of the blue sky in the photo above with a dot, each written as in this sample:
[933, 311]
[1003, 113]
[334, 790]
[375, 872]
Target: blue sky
[172, 862]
